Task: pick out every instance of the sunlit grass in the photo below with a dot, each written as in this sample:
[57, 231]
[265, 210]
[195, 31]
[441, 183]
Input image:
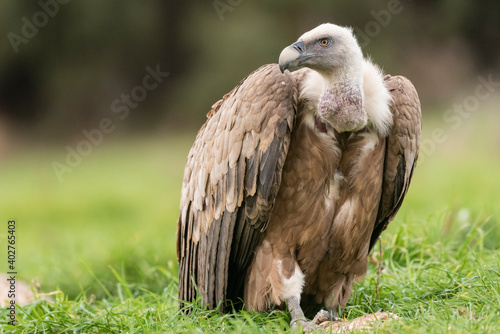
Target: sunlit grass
[105, 237]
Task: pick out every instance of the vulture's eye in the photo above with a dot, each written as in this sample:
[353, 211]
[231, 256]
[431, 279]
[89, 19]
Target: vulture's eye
[324, 42]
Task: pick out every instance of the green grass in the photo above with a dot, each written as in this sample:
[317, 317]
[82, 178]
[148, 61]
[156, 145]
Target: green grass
[105, 238]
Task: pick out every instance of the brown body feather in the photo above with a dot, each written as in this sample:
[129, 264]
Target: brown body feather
[267, 198]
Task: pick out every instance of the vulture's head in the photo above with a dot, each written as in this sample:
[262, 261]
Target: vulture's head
[326, 49]
[333, 52]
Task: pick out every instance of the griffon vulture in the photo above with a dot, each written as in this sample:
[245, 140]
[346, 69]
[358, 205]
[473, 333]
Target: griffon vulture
[293, 177]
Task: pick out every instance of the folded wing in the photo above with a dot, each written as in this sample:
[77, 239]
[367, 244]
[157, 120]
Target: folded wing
[401, 150]
[231, 179]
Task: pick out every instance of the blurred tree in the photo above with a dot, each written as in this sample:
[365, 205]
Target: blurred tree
[82, 58]
[481, 28]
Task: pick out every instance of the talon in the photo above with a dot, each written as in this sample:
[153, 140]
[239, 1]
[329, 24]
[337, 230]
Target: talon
[322, 316]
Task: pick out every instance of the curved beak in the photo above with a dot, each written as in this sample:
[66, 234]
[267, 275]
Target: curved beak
[291, 57]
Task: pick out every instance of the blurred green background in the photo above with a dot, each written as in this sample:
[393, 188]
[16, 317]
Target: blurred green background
[64, 64]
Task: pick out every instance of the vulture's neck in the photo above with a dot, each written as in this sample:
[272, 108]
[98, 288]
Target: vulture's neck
[341, 102]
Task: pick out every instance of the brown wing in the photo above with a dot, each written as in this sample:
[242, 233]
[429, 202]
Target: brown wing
[232, 176]
[401, 150]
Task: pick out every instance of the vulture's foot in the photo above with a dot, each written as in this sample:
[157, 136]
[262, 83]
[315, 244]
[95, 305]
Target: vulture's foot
[298, 318]
[306, 326]
[323, 316]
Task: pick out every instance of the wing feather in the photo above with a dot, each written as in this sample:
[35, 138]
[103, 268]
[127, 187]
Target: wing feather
[232, 176]
[401, 150]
